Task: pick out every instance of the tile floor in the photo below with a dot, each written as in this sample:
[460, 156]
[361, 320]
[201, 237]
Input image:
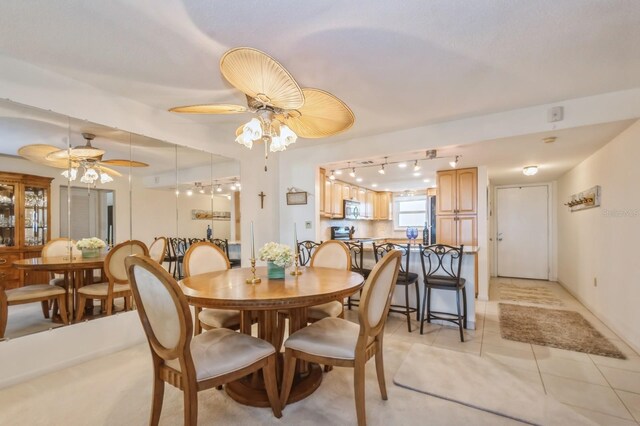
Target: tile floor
[606, 390]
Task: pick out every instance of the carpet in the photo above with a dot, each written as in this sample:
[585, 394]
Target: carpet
[554, 327]
[538, 295]
[482, 384]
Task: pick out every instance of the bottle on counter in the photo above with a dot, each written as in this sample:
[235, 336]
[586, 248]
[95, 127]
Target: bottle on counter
[209, 232]
[425, 239]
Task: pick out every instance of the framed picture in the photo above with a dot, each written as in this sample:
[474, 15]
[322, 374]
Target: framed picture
[296, 198]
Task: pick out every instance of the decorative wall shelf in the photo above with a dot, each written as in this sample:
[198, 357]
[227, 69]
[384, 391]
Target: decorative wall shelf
[585, 199]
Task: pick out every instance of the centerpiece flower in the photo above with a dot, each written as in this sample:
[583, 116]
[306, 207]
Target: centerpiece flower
[90, 247]
[278, 257]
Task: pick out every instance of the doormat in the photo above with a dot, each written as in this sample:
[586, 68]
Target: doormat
[538, 295]
[554, 327]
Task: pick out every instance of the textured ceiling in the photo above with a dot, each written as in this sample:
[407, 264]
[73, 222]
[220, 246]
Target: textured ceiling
[396, 64]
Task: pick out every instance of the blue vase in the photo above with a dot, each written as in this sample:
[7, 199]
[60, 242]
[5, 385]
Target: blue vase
[274, 272]
[412, 233]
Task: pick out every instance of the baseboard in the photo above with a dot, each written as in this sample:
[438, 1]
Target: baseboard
[31, 356]
[604, 320]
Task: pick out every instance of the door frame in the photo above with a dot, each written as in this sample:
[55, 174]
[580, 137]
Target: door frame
[552, 230]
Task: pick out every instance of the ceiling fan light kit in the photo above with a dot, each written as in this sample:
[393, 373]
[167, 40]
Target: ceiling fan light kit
[285, 111]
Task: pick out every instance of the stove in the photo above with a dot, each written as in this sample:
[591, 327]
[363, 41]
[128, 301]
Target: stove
[343, 233]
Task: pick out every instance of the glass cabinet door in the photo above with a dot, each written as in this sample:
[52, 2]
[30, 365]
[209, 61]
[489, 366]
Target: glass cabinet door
[7, 215]
[36, 200]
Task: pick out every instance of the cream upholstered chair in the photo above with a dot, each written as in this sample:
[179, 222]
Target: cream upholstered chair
[335, 341]
[31, 294]
[330, 254]
[206, 257]
[191, 364]
[118, 282]
[158, 249]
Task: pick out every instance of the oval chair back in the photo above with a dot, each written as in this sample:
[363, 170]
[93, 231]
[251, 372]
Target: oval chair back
[163, 310]
[114, 267]
[60, 247]
[376, 297]
[204, 257]
[158, 249]
[332, 254]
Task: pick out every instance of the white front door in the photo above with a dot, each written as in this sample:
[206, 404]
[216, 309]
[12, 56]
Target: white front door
[522, 233]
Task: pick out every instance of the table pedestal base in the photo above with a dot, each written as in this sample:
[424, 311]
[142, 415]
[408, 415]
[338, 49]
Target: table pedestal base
[251, 392]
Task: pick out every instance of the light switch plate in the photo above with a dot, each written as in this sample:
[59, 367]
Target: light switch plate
[307, 224]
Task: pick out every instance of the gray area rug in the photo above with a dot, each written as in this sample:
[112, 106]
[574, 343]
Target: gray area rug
[538, 294]
[480, 383]
[554, 327]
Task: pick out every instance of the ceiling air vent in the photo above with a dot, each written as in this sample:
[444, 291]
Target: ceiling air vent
[365, 163]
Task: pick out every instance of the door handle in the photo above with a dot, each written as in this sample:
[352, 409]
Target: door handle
[499, 239]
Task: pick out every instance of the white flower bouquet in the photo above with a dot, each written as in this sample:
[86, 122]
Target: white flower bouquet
[90, 244]
[280, 254]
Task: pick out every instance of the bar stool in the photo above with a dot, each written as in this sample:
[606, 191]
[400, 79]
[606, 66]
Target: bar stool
[441, 265]
[405, 278]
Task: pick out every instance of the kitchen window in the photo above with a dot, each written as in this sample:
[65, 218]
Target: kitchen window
[410, 211]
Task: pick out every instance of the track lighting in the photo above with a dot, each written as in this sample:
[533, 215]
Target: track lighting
[338, 172]
[454, 163]
[402, 165]
[332, 175]
[352, 173]
[381, 171]
[416, 166]
[189, 192]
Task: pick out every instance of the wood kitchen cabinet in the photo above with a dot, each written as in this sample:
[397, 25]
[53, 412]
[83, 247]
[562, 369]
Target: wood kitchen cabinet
[369, 204]
[337, 205]
[346, 192]
[456, 207]
[25, 225]
[382, 209]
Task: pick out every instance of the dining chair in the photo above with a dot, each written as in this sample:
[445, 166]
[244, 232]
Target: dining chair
[32, 294]
[170, 257]
[59, 247]
[330, 254]
[158, 249]
[117, 284]
[189, 363]
[338, 342]
[224, 246]
[206, 257]
[405, 279]
[305, 251]
[357, 257]
[441, 267]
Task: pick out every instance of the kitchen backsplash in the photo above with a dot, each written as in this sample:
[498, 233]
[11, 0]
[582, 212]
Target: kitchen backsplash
[364, 228]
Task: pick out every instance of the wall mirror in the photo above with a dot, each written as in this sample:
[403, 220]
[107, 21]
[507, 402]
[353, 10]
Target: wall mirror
[140, 189]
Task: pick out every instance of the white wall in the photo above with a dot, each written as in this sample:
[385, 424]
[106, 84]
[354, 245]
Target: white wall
[601, 243]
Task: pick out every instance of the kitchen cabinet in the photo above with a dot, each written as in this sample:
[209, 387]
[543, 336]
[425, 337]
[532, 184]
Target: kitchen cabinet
[322, 179]
[382, 209]
[346, 192]
[369, 204]
[336, 199]
[456, 207]
[25, 225]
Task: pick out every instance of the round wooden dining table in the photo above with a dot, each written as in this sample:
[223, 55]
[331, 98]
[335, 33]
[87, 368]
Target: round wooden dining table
[294, 294]
[78, 268]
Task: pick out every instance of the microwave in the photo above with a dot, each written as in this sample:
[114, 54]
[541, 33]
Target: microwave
[351, 209]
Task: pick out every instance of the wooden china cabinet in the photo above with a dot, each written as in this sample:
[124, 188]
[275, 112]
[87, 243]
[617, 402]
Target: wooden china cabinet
[25, 225]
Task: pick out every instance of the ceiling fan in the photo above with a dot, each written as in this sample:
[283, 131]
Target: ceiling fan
[284, 110]
[85, 158]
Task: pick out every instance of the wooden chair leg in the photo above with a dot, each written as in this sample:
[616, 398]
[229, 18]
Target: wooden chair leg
[45, 308]
[197, 327]
[380, 371]
[4, 313]
[190, 405]
[287, 377]
[156, 398]
[358, 385]
[62, 305]
[109, 303]
[80, 308]
[271, 385]
[127, 303]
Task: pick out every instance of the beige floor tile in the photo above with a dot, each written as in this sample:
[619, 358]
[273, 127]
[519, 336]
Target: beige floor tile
[454, 333]
[603, 419]
[531, 377]
[632, 402]
[516, 358]
[622, 379]
[571, 369]
[544, 352]
[630, 364]
[495, 339]
[402, 334]
[586, 395]
[470, 345]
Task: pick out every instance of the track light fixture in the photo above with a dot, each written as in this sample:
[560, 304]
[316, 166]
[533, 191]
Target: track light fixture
[454, 163]
[416, 166]
[332, 176]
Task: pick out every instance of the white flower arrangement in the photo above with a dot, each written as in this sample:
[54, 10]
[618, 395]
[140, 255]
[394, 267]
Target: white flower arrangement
[280, 254]
[90, 243]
